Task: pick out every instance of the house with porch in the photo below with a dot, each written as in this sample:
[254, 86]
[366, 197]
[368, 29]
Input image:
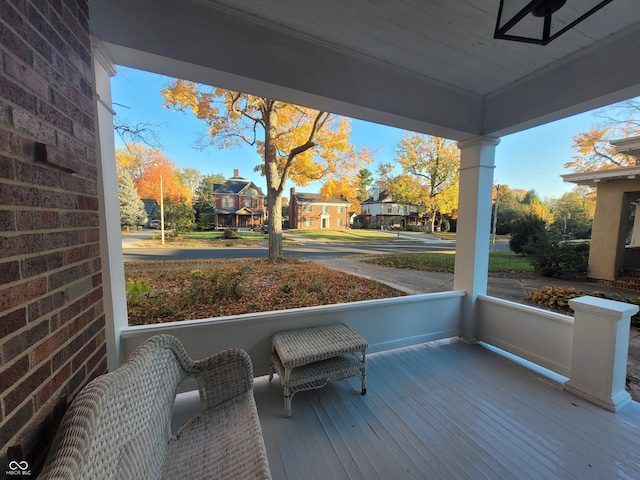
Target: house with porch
[311, 211]
[382, 211]
[446, 397]
[614, 253]
[239, 203]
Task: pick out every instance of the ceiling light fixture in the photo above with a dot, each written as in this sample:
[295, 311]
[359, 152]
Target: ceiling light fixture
[534, 22]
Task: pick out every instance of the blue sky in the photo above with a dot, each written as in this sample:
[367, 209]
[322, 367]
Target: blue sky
[533, 159]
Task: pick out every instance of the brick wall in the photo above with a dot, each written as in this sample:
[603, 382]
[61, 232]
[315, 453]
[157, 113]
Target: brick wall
[52, 338]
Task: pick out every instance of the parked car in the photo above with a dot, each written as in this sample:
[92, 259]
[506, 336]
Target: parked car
[265, 229]
[154, 224]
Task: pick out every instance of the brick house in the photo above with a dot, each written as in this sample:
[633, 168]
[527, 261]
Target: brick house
[309, 211]
[239, 203]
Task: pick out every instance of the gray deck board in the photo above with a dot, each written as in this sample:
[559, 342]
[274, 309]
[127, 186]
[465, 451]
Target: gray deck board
[451, 411]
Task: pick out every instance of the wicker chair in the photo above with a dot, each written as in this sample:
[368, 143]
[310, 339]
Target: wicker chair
[119, 425]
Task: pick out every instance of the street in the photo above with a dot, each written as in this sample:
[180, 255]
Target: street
[308, 249]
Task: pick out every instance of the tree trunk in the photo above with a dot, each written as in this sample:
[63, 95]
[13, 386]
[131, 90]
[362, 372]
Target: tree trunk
[274, 209]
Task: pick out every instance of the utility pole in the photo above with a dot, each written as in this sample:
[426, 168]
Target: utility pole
[495, 217]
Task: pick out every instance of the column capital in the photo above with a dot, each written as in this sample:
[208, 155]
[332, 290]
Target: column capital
[480, 140]
[102, 56]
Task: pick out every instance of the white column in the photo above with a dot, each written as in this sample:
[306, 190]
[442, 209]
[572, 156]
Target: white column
[600, 349]
[477, 163]
[115, 305]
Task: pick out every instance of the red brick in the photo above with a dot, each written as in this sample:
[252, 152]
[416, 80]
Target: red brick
[37, 220]
[47, 348]
[35, 265]
[53, 385]
[64, 277]
[45, 29]
[70, 311]
[94, 328]
[80, 185]
[14, 422]
[81, 100]
[22, 293]
[77, 254]
[7, 169]
[55, 116]
[83, 355]
[26, 76]
[12, 374]
[79, 323]
[56, 80]
[24, 340]
[98, 358]
[21, 244]
[87, 203]
[37, 174]
[9, 272]
[25, 388]
[12, 322]
[25, 31]
[7, 220]
[28, 123]
[79, 219]
[58, 200]
[61, 239]
[19, 195]
[14, 44]
[63, 355]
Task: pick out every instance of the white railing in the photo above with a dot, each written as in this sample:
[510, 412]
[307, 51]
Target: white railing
[384, 323]
[540, 336]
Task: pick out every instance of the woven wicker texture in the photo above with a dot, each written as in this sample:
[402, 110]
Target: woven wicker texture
[307, 345]
[118, 426]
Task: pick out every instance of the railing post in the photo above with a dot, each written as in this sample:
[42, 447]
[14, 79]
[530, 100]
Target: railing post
[600, 348]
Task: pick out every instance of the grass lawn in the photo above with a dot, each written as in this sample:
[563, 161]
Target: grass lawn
[499, 261]
[357, 235]
[208, 239]
[174, 291]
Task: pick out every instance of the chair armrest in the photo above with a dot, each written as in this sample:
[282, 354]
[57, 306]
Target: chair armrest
[222, 376]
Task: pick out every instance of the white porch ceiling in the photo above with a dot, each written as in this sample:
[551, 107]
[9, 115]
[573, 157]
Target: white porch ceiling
[431, 66]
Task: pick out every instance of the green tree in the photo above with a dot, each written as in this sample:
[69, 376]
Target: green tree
[573, 214]
[180, 217]
[364, 179]
[131, 207]
[190, 178]
[203, 198]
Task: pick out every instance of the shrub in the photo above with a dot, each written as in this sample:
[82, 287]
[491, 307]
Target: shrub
[553, 258]
[528, 230]
[229, 234]
[137, 290]
[557, 298]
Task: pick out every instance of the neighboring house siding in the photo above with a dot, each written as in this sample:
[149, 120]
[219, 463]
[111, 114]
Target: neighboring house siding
[52, 324]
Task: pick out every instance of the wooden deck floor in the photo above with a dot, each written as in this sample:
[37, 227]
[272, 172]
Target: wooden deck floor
[446, 411]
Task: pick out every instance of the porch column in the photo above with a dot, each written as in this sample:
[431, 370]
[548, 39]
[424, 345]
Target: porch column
[115, 308]
[600, 348]
[477, 162]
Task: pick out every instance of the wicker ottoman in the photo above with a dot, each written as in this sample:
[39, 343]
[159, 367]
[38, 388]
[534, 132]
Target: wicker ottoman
[309, 358]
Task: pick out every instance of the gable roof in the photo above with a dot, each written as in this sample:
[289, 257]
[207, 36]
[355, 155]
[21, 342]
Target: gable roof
[235, 186]
[302, 197]
[149, 205]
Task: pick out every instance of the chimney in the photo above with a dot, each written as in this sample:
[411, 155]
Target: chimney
[235, 172]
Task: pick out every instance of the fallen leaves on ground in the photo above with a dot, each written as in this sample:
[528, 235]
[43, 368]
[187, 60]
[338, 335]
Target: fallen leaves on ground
[195, 290]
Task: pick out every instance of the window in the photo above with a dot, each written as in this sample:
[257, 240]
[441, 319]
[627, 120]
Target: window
[254, 203]
[325, 209]
[227, 202]
[389, 209]
[340, 222]
[308, 222]
[247, 201]
[308, 208]
[340, 209]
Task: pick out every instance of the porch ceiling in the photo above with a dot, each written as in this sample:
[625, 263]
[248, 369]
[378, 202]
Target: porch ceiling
[427, 66]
